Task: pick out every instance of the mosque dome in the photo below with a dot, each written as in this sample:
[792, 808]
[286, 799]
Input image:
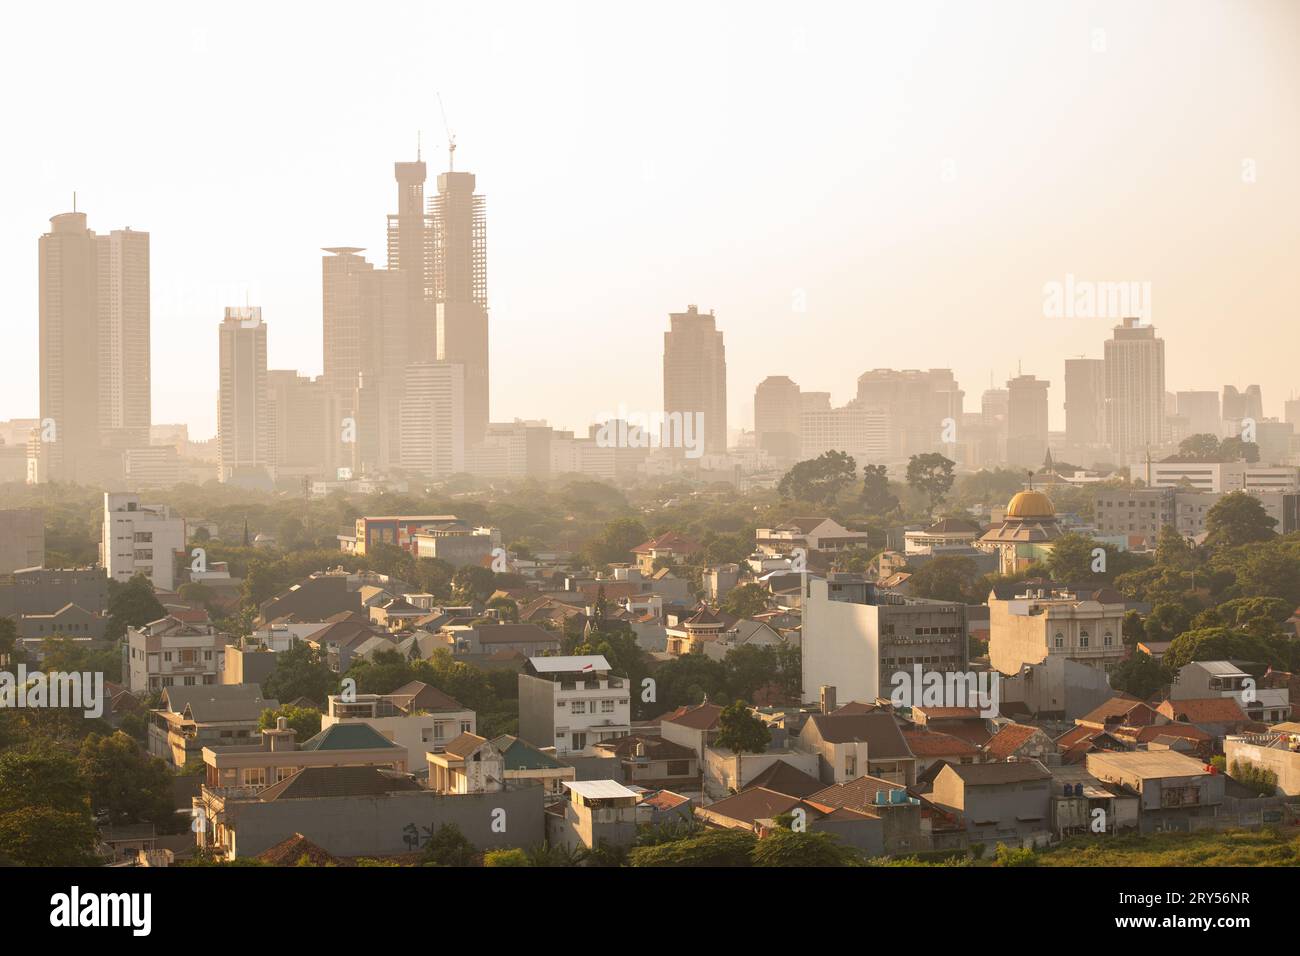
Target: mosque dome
[1031, 504]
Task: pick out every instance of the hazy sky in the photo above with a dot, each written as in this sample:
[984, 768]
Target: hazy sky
[911, 173]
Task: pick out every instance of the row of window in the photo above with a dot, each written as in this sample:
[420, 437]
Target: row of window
[1108, 639]
[580, 706]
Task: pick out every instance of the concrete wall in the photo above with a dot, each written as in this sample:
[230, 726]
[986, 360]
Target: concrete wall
[390, 824]
[537, 711]
[1284, 763]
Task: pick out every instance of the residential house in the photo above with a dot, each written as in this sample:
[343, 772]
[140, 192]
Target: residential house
[853, 745]
[171, 653]
[810, 534]
[416, 716]
[526, 764]
[1173, 788]
[1007, 803]
[189, 719]
[1260, 703]
[652, 762]
[467, 764]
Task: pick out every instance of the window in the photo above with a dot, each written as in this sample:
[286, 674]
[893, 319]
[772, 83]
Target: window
[679, 768]
[1109, 639]
[1083, 638]
[578, 707]
[607, 707]
[464, 727]
[254, 777]
[1060, 640]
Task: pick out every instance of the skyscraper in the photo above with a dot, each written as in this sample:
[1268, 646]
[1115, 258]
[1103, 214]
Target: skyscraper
[776, 417]
[1135, 391]
[124, 386]
[695, 374]
[94, 348]
[366, 349]
[1026, 421]
[243, 423]
[1201, 409]
[1085, 401]
[1242, 404]
[433, 419]
[458, 222]
[410, 250]
[920, 405]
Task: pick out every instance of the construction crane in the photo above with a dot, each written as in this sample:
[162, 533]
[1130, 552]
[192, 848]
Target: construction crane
[451, 137]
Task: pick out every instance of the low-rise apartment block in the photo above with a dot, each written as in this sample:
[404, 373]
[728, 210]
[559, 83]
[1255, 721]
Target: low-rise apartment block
[572, 703]
[171, 653]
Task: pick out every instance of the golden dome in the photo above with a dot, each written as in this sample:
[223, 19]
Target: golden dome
[1030, 504]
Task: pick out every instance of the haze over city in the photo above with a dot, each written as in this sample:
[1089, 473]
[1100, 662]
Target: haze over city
[882, 186]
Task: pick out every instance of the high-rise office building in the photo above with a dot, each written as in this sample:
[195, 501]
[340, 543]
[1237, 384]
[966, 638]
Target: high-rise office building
[94, 348]
[367, 346]
[776, 417]
[124, 386]
[1135, 391]
[458, 223]
[1026, 421]
[300, 424]
[921, 406]
[1242, 404]
[433, 419]
[1201, 409]
[695, 375]
[243, 418]
[1085, 401]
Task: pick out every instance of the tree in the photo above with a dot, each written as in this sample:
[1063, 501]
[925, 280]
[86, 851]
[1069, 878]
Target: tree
[44, 836]
[1234, 449]
[8, 638]
[1238, 518]
[448, 847]
[741, 732]
[1200, 447]
[305, 721]
[616, 541]
[788, 848]
[507, 609]
[947, 578]
[877, 499]
[819, 480]
[132, 604]
[746, 600]
[930, 474]
[711, 848]
[41, 777]
[1072, 560]
[1166, 621]
[300, 672]
[126, 784]
[1141, 675]
[473, 583]
[750, 668]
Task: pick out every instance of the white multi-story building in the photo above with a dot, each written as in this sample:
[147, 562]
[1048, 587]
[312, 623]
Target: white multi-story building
[1222, 476]
[171, 653]
[572, 703]
[140, 539]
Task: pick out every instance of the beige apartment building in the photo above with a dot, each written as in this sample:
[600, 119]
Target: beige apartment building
[1029, 623]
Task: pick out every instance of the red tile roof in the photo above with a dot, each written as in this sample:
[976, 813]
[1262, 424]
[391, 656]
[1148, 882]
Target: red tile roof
[1207, 710]
[1007, 741]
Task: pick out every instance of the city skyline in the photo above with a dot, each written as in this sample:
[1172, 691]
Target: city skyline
[756, 280]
